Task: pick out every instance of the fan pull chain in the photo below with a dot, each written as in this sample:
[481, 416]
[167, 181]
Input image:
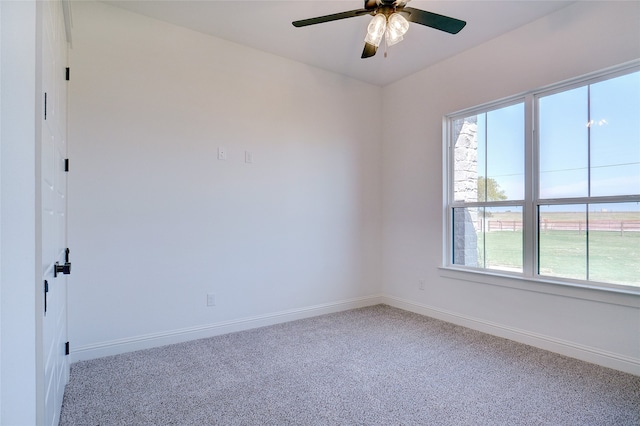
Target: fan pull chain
[386, 46]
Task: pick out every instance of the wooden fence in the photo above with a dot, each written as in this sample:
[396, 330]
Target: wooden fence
[549, 225]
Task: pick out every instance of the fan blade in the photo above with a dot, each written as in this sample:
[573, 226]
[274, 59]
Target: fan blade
[329, 18]
[369, 50]
[433, 20]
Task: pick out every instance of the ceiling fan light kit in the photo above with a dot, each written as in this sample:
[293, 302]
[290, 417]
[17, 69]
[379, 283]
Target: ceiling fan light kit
[392, 28]
[390, 20]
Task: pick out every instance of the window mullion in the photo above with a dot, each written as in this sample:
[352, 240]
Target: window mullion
[529, 228]
[588, 179]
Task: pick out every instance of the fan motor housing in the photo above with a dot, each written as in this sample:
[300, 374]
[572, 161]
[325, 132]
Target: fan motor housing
[394, 3]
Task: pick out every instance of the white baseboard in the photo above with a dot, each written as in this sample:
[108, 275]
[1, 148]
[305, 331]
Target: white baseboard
[115, 347]
[563, 347]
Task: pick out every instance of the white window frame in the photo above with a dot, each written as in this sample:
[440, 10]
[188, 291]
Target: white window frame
[531, 200]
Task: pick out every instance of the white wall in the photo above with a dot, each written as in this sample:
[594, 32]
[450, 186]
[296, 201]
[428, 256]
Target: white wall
[592, 325]
[18, 274]
[156, 221]
[1, 56]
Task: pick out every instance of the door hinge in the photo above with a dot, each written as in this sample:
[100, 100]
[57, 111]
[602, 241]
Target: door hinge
[45, 105]
[67, 74]
[66, 348]
[46, 290]
[61, 269]
[66, 164]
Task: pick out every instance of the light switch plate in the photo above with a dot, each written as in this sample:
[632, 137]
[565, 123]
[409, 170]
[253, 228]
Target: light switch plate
[211, 299]
[222, 153]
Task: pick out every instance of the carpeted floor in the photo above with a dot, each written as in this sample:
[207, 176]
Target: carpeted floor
[370, 366]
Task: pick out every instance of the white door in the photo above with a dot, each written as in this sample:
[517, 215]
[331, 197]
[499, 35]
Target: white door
[54, 208]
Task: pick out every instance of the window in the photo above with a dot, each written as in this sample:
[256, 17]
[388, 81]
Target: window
[559, 202]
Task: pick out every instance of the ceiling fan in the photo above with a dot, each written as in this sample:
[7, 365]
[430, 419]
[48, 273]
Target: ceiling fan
[390, 20]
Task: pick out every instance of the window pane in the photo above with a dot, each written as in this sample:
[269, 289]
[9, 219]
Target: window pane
[615, 136]
[562, 241]
[505, 154]
[614, 243]
[503, 238]
[488, 237]
[465, 236]
[468, 157]
[563, 144]
[489, 155]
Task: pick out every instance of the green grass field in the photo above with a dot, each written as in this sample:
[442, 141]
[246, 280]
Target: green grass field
[613, 257]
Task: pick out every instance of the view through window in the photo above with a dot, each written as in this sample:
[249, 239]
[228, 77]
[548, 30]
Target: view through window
[560, 200]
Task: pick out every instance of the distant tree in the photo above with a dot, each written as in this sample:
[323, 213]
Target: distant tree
[493, 191]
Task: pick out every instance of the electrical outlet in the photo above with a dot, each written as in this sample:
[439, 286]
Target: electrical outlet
[248, 157]
[211, 299]
[421, 284]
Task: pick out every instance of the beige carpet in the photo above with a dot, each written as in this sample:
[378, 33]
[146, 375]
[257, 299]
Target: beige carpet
[370, 366]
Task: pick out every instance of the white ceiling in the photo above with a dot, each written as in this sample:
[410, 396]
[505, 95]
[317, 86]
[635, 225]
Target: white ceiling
[336, 46]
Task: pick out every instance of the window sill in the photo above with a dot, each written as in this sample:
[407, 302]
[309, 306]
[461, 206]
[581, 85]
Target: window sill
[618, 296]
